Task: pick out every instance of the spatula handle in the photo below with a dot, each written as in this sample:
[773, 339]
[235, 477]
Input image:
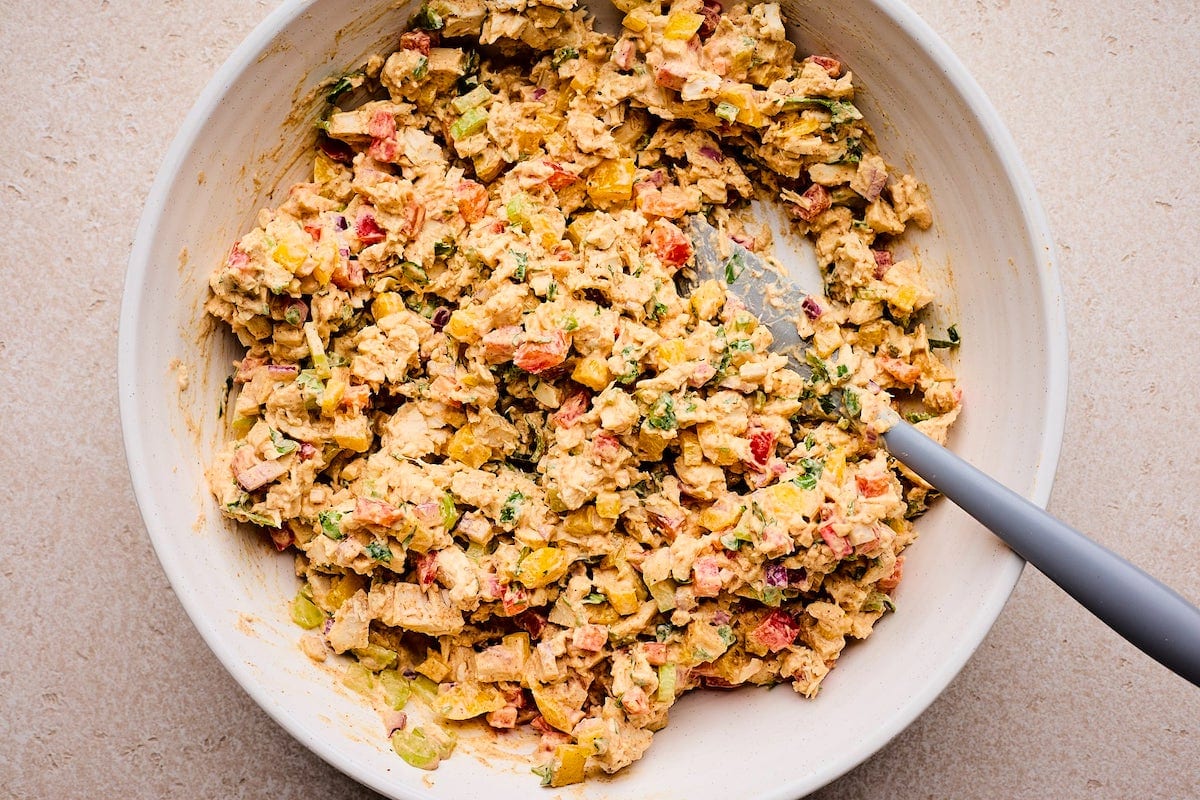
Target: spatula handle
[1153, 617]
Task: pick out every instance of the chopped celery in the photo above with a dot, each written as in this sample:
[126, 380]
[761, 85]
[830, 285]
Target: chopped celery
[727, 112]
[359, 679]
[425, 689]
[305, 612]
[374, 657]
[449, 511]
[479, 96]
[469, 124]
[667, 676]
[396, 688]
[416, 749]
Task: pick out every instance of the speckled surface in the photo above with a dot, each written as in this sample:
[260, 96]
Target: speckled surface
[107, 691]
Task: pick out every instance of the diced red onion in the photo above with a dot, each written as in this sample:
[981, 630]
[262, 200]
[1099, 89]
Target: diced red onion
[873, 386]
[721, 617]
[539, 93]
[340, 222]
[776, 575]
[336, 150]
[715, 155]
[811, 308]
[440, 317]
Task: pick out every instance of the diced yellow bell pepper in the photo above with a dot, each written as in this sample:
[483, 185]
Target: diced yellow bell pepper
[590, 733]
[903, 299]
[627, 5]
[552, 708]
[467, 699]
[592, 372]
[464, 324]
[342, 589]
[671, 353]
[326, 258]
[786, 499]
[324, 169]
[720, 516]
[693, 453]
[387, 304]
[608, 505]
[335, 390]
[623, 598]
[434, 667]
[543, 230]
[612, 181]
[707, 299]
[567, 765]
[745, 99]
[682, 25]
[289, 255]
[638, 19]
[465, 448]
[835, 466]
[803, 128]
[542, 567]
[584, 78]
[358, 438]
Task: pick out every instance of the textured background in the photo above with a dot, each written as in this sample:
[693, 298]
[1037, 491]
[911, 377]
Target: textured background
[105, 688]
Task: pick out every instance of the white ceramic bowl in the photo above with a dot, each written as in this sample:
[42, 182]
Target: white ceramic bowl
[246, 137]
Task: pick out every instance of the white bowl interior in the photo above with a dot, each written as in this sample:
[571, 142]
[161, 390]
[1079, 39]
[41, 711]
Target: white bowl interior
[248, 136]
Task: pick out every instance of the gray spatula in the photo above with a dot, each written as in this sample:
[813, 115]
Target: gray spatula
[1150, 615]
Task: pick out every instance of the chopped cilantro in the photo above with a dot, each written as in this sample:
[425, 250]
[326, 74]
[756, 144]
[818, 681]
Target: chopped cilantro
[379, 551]
[726, 634]
[594, 598]
[421, 69]
[840, 111]
[812, 473]
[663, 630]
[428, 19]
[851, 403]
[820, 372]
[444, 248]
[292, 315]
[952, 339]
[511, 510]
[330, 520]
[343, 85]
[282, 444]
[522, 260]
[662, 414]
[544, 772]
[552, 291]
[734, 267]
[562, 55]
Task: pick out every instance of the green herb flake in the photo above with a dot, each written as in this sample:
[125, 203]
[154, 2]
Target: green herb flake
[343, 85]
[594, 598]
[292, 315]
[379, 551]
[444, 248]
[282, 444]
[727, 636]
[544, 772]
[662, 414]
[813, 467]
[562, 55]
[851, 403]
[330, 521]
[428, 19]
[734, 266]
[511, 510]
[522, 260]
[952, 339]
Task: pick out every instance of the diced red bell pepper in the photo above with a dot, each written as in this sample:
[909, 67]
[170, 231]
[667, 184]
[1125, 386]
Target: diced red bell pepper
[815, 201]
[426, 566]
[840, 545]
[420, 41]
[376, 512]
[777, 631]
[472, 199]
[561, 178]
[368, 230]
[542, 353]
[762, 446]
[670, 244]
[571, 410]
[889, 583]
[830, 65]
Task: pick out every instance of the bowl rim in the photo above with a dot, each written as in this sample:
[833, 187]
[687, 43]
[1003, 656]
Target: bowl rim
[1054, 338]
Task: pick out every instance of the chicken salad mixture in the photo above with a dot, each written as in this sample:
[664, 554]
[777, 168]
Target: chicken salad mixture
[529, 474]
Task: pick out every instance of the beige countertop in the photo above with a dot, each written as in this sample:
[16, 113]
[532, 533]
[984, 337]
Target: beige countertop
[108, 691]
